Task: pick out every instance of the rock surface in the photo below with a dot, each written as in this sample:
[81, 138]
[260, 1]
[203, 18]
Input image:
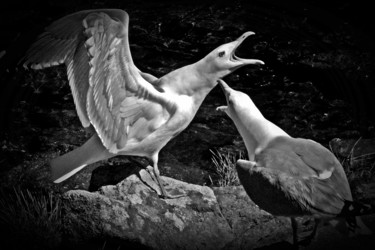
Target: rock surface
[204, 218]
[251, 226]
[133, 211]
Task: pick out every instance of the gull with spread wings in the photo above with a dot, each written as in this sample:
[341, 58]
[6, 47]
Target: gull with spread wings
[132, 112]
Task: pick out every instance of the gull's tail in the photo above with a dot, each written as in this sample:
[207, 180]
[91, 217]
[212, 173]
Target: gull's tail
[68, 164]
[351, 212]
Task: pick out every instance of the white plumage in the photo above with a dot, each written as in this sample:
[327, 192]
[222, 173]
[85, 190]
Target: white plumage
[133, 113]
[288, 176]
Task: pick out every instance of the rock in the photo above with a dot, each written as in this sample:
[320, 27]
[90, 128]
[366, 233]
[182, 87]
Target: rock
[132, 215]
[132, 211]
[252, 227]
[204, 218]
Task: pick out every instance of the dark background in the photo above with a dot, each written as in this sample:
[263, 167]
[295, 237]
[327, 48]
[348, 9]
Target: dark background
[318, 80]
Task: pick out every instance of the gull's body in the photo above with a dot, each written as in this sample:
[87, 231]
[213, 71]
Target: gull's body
[133, 113]
[288, 176]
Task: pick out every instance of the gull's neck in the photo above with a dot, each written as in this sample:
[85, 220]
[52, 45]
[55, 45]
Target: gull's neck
[190, 81]
[255, 130]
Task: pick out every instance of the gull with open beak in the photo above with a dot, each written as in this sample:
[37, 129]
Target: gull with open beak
[132, 112]
[288, 176]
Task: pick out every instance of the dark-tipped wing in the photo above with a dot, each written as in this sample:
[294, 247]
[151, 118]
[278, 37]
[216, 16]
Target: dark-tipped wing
[289, 195]
[63, 42]
[109, 91]
[324, 163]
[316, 157]
[305, 157]
[59, 41]
[299, 168]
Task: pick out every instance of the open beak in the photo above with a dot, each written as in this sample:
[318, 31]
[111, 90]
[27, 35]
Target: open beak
[226, 89]
[224, 86]
[243, 61]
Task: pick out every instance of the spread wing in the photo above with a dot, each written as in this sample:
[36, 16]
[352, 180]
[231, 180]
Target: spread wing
[63, 42]
[299, 168]
[109, 91]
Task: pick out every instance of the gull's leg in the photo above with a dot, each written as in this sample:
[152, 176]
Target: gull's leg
[308, 239]
[157, 175]
[153, 180]
[313, 234]
[295, 232]
[164, 193]
[148, 176]
[150, 170]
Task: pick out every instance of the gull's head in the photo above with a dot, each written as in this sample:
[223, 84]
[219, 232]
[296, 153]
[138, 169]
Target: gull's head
[237, 101]
[223, 60]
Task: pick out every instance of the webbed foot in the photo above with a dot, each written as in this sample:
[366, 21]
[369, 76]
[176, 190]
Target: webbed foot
[155, 183]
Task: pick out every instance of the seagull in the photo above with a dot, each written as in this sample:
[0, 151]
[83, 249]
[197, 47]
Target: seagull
[286, 176]
[132, 112]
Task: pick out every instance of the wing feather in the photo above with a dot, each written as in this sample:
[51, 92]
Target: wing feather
[62, 42]
[294, 169]
[78, 74]
[108, 90]
[316, 156]
[308, 155]
[118, 96]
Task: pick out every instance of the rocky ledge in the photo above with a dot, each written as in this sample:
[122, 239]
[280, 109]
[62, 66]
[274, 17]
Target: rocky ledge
[203, 218]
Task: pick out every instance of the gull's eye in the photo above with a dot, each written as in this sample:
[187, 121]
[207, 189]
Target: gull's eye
[221, 53]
